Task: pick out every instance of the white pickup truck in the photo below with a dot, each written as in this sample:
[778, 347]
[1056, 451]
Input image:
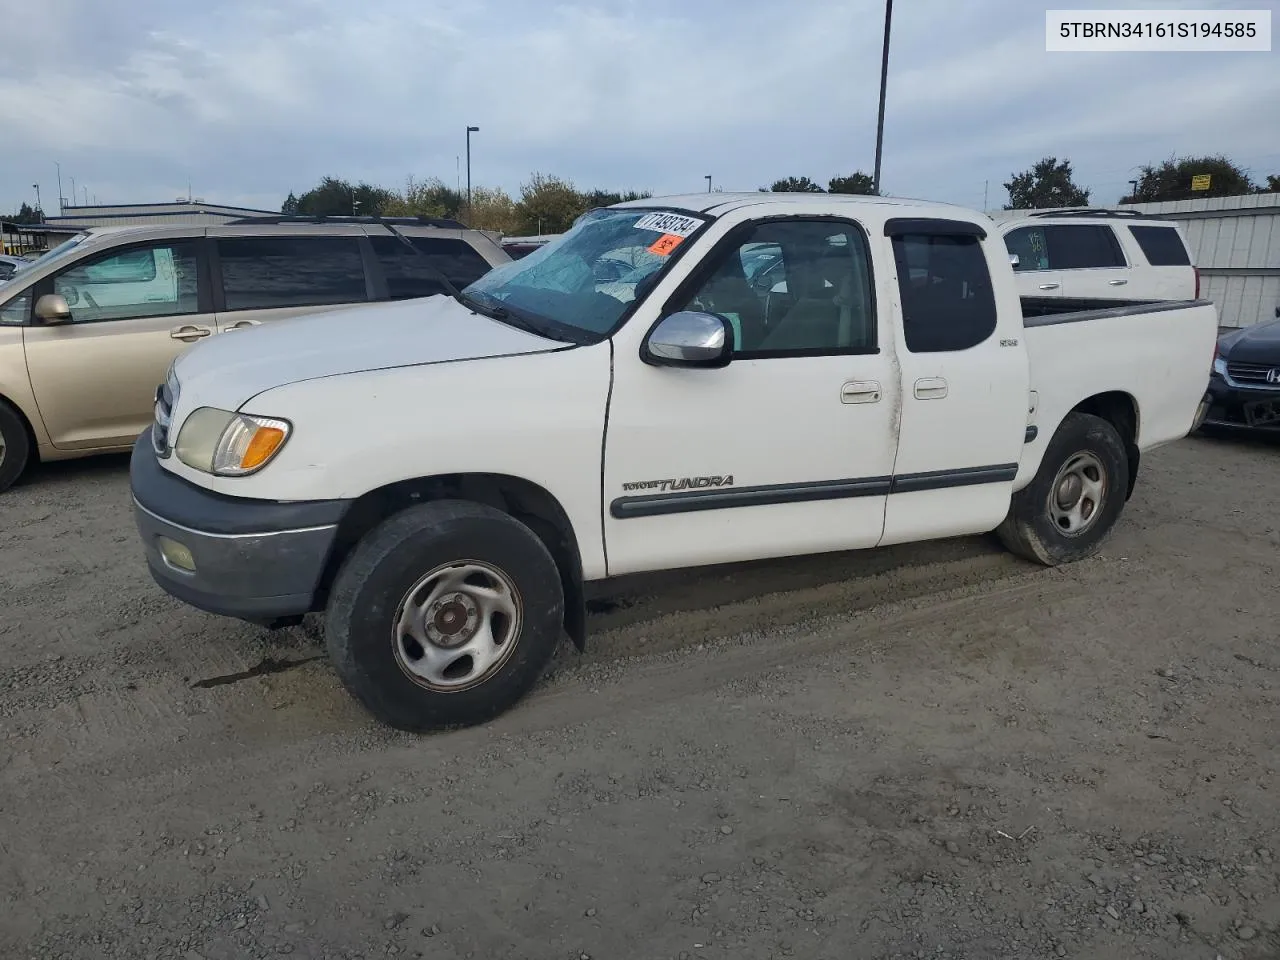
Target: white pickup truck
[442, 477]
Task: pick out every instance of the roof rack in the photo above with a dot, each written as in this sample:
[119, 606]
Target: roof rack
[440, 222]
[1092, 212]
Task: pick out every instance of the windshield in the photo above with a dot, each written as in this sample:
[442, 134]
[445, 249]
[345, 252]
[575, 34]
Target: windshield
[579, 285]
[56, 252]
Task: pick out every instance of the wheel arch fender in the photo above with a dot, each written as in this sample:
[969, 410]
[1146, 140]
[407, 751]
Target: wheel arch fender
[523, 500]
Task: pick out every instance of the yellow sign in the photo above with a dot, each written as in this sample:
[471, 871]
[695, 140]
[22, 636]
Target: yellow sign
[1200, 181]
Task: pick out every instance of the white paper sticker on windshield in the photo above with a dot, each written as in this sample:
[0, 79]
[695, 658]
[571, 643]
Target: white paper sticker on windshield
[672, 223]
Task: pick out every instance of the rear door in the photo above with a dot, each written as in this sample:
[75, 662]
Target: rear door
[133, 310]
[1172, 275]
[964, 382]
[1090, 260]
[1035, 276]
[264, 274]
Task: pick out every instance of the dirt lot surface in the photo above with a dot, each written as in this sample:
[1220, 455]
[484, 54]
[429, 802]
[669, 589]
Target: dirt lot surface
[930, 751]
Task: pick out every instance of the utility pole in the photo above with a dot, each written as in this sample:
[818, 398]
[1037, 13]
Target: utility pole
[884, 79]
[73, 191]
[470, 131]
[985, 185]
[60, 197]
[39, 208]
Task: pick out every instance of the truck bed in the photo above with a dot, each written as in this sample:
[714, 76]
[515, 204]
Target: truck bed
[1158, 353]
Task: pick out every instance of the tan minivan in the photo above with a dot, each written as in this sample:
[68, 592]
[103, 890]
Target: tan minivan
[88, 330]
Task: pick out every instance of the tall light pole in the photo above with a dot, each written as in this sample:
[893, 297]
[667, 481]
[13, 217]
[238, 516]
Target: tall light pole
[884, 78]
[470, 131]
[60, 197]
[708, 179]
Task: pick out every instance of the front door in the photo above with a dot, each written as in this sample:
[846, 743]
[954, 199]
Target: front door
[789, 448]
[1036, 274]
[133, 310]
[964, 384]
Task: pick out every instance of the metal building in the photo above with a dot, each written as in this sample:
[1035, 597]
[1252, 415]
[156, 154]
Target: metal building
[185, 212]
[1235, 241]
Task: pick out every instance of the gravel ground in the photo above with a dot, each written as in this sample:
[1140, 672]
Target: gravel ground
[928, 751]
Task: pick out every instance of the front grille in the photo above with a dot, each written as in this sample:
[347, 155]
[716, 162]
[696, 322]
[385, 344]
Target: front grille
[1255, 374]
[164, 413]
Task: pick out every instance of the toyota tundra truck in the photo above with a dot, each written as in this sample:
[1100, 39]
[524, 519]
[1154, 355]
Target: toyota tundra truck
[773, 375]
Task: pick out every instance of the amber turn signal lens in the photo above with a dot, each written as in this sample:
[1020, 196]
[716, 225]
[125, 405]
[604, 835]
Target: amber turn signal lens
[265, 442]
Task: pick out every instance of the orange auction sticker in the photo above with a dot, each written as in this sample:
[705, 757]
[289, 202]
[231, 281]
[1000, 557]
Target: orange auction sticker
[665, 244]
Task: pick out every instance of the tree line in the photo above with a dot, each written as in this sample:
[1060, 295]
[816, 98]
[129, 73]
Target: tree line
[546, 204]
[1049, 183]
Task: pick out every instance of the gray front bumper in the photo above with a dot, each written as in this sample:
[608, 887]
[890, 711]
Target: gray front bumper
[258, 577]
[257, 560]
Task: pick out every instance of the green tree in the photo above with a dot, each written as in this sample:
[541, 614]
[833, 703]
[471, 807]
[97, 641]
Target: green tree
[26, 214]
[857, 182]
[339, 198]
[1172, 180]
[426, 198]
[290, 205]
[795, 185]
[1273, 184]
[607, 198]
[549, 204]
[493, 209]
[1047, 184]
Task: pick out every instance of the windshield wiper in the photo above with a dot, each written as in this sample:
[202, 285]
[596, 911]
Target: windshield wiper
[439, 274]
[498, 311]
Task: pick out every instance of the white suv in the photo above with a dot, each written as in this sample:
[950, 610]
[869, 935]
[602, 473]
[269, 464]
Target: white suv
[1099, 254]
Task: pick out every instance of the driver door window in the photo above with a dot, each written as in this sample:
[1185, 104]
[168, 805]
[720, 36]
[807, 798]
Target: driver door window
[150, 281]
[793, 288]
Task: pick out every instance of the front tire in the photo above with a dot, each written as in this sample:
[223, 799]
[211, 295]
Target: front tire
[1070, 508]
[15, 446]
[444, 615]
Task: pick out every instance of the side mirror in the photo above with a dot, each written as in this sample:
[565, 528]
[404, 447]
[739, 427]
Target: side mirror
[689, 339]
[53, 309]
[1013, 260]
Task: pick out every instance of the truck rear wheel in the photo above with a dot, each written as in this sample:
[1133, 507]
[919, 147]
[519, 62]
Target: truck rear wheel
[15, 446]
[1073, 503]
[444, 615]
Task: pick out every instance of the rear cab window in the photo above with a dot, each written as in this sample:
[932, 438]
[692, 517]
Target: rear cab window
[263, 273]
[1162, 246]
[948, 303]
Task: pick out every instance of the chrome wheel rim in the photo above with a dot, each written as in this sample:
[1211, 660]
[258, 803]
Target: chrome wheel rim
[1077, 494]
[457, 625]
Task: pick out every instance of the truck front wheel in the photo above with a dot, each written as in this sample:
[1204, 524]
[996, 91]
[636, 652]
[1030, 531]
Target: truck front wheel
[1073, 503]
[444, 615]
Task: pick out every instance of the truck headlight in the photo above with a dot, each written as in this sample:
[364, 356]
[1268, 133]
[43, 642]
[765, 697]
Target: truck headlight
[229, 444]
[1220, 366]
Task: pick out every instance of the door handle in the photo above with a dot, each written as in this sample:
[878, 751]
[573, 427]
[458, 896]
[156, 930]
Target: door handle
[1049, 286]
[241, 324]
[189, 333]
[931, 388]
[860, 391]
[1117, 283]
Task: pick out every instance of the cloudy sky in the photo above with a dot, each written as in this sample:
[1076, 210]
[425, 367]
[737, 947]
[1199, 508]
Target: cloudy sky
[249, 99]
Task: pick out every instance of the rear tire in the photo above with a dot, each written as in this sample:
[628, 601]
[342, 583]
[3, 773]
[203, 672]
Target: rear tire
[444, 615]
[1070, 508]
[15, 446]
